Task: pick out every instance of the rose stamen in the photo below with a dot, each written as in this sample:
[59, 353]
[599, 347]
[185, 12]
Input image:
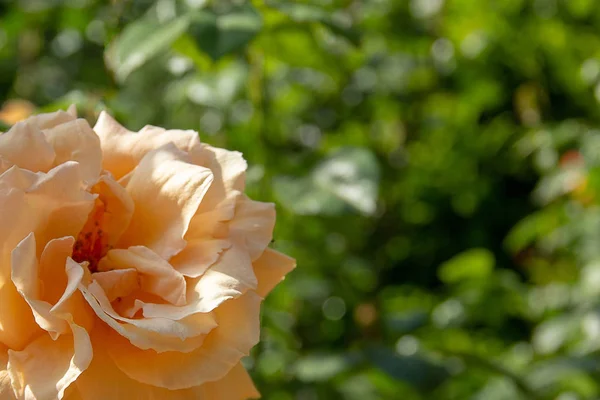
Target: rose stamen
[90, 245]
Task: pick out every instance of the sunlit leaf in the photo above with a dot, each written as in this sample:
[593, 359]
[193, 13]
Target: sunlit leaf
[348, 179]
[301, 12]
[323, 367]
[216, 89]
[471, 264]
[218, 35]
[141, 41]
[533, 227]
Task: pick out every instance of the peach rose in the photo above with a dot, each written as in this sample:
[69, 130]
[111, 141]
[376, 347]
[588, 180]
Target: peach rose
[132, 266]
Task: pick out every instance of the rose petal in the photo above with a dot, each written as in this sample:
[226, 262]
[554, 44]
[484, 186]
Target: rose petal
[18, 324]
[270, 269]
[229, 169]
[21, 141]
[25, 276]
[198, 256]
[237, 332]
[6, 390]
[59, 199]
[72, 305]
[52, 276]
[236, 385]
[76, 141]
[230, 277]
[254, 222]
[166, 191]
[50, 120]
[103, 381]
[46, 367]
[5, 165]
[50, 205]
[212, 223]
[118, 283]
[157, 276]
[124, 149]
[159, 334]
[118, 208]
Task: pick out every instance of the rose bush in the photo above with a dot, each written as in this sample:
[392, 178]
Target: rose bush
[132, 266]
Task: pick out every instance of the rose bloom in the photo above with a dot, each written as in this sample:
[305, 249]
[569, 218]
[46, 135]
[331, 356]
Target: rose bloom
[132, 266]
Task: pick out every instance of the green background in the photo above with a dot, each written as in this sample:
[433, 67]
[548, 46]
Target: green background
[435, 165]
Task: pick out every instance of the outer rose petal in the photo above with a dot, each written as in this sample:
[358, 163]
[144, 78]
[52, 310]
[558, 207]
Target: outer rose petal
[237, 332]
[4, 165]
[198, 256]
[236, 385]
[46, 367]
[254, 222]
[50, 120]
[166, 190]
[76, 141]
[124, 149]
[104, 381]
[213, 223]
[6, 390]
[270, 269]
[18, 325]
[229, 168]
[231, 276]
[21, 141]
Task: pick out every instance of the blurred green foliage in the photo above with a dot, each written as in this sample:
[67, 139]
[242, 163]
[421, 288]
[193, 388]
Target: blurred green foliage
[436, 166]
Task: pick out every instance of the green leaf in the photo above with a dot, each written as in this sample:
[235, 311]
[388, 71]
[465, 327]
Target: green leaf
[348, 179]
[306, 13]
[533, 227]
[407, 322]
[141, 41]
[323, 367]
[186, 46]
[219, 35]
[554, 333]
[300, 12]
[301, 196]
[217, 89]
[415, 370]
[471, 264]
[565, 372]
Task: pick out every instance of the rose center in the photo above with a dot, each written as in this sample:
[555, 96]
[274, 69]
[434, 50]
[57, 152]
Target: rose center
[91, 245]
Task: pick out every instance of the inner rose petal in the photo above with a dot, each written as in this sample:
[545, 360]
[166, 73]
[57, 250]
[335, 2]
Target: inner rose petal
[118, 283]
